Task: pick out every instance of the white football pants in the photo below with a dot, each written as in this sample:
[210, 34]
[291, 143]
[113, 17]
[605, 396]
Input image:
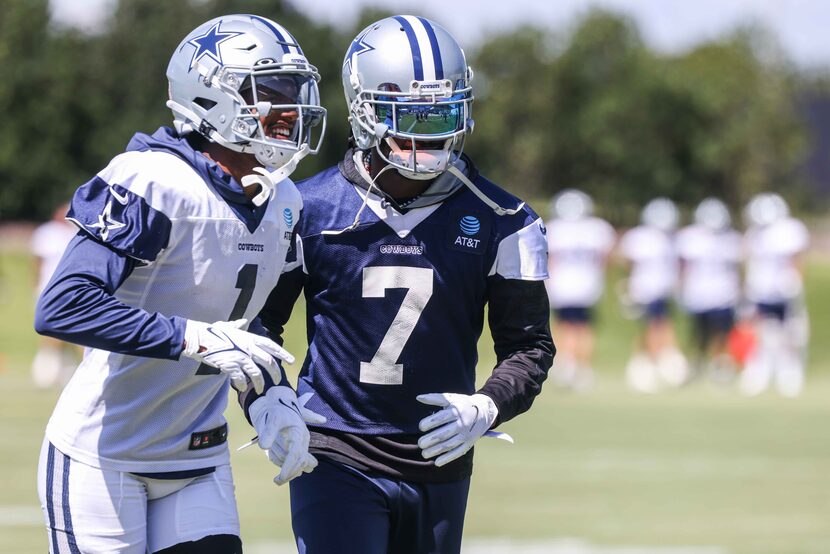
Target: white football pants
[775, 357]
[93, 510]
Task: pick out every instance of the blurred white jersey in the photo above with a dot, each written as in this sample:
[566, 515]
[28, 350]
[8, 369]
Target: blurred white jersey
[654, 264]
[711, 275]
[771, 275]
[139, 414]
[577, 252]
[48, 243]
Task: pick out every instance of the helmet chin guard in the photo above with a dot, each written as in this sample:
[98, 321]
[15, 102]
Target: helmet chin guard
[420, 165]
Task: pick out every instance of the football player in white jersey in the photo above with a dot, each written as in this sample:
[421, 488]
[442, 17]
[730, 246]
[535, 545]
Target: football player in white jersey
[774, 244]
[710, 252]
[55, 360]
[182, 237]
[650, 251]
[578, 245]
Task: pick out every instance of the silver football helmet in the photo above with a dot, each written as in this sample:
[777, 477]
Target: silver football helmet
[571, 204]
[660, 213]
[408, 88]
[766, 208]
[243, 82]
[713, 214]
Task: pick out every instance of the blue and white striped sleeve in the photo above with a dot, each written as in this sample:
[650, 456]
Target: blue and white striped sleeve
[120, 232]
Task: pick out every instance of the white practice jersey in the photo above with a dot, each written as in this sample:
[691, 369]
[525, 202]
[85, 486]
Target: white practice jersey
[771, 272]
[654, 264]
[141, 414]
[577, 253]
[711, 275]
[48, 243]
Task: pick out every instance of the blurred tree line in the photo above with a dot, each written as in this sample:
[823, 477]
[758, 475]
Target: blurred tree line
[589, 107]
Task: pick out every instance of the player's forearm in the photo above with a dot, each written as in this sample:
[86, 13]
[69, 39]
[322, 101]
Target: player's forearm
[78, 306]
[271, 323]
[280, 303]
[519, 323]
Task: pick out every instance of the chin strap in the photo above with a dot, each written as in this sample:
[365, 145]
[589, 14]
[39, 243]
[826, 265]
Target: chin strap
[481, 196]
[452, 169]
[267, 180]
[356, 221]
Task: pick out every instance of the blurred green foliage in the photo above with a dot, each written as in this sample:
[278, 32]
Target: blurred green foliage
[589, 107]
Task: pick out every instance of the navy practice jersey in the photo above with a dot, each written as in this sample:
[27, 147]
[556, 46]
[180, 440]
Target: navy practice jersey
[395, 306]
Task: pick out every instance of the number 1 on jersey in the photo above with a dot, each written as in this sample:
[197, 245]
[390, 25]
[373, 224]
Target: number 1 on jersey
[245, 282]
[383, 369]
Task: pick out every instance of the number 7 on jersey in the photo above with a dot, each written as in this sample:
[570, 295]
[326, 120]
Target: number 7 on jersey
[383, 369]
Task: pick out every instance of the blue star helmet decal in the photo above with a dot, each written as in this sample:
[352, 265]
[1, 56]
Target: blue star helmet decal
[208, 44]
[357, 48]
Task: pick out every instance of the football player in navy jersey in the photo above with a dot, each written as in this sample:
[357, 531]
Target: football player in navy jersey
[399, 249]
[185, 228]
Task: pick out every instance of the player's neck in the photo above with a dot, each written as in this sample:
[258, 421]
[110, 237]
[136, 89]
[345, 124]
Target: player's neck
[234, 164]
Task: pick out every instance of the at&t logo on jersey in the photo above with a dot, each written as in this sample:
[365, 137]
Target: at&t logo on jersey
[470, 234]
[288, 218]
[470, 226]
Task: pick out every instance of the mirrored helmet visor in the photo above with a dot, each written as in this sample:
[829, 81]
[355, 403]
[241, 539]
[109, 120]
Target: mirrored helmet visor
[416, 117]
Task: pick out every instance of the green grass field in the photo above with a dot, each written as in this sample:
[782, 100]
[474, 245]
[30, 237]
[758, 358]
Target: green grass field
[602, 472]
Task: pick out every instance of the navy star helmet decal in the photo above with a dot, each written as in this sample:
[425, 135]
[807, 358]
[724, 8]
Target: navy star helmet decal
[357, 48]
[208, 44]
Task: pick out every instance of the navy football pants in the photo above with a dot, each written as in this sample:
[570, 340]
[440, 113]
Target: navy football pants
[337, 509]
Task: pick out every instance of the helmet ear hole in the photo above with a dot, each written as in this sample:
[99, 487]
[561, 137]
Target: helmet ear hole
[204, 103]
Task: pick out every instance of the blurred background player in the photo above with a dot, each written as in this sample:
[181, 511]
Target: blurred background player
[185, 228]
[578, 248]
[710, 252]
[400, 249]
[55, 360]
[775, 243]
[651, 254]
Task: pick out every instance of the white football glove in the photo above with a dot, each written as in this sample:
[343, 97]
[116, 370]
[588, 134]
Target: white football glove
[238, 354]
[460, 424]
[279, 419]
